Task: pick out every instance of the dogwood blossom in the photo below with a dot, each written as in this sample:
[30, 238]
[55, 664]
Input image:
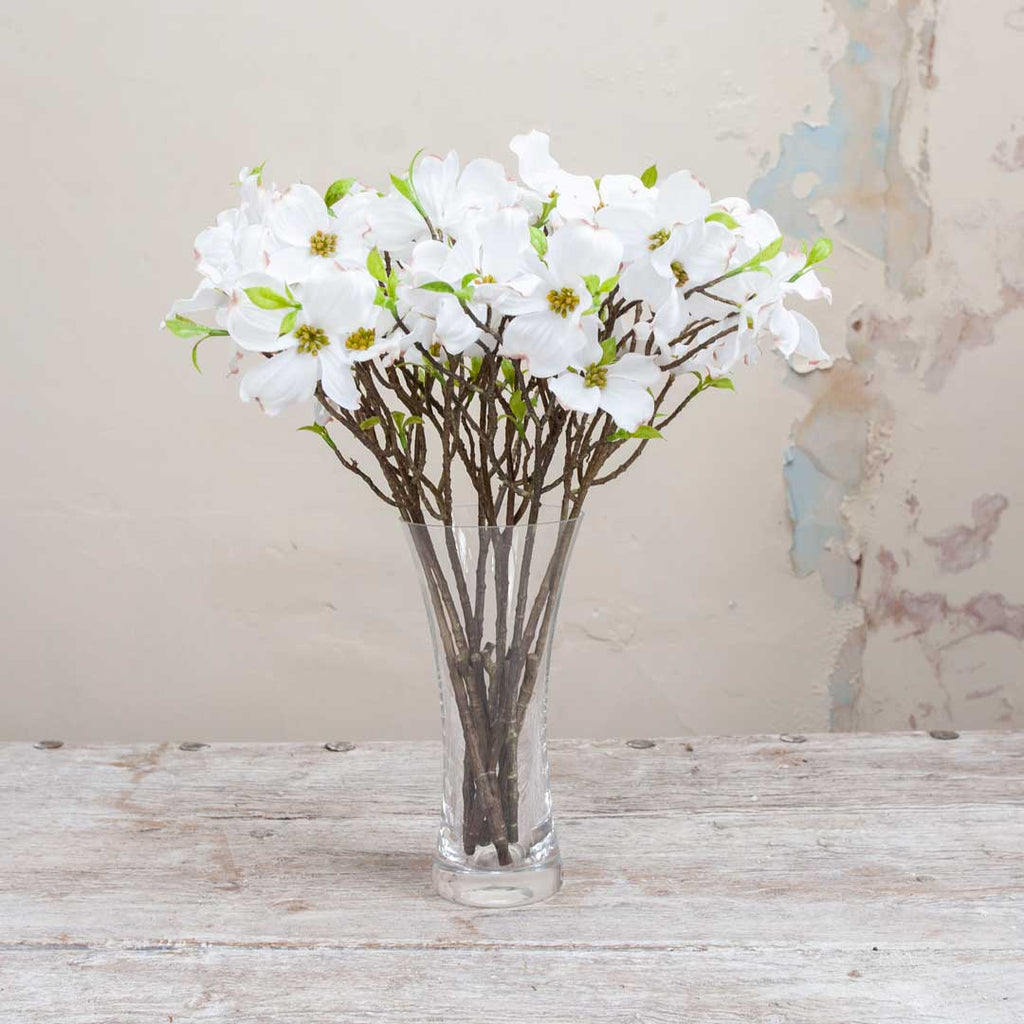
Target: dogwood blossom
[561, 290]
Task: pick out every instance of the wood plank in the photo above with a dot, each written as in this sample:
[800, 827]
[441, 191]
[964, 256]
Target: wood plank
[696, 871]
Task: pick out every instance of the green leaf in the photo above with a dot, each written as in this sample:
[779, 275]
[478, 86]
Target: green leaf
[338, 190]
[411, 420]
[721, 217]
[517, 404]
[770, 251]
[182, 327]
[369, 424]
[267, 298]
[399, 418]
[375, 265]
[539, 241]
[316, 428]
[608, 284]
[438, 286]
[647, 433]
[549, 205]
[508, 371]
[403, 188]
[466, 278]
[475, 366]
[619, 435]
[721, 382]
[258, 171]
[608, 348]
[195, 352]
[393, 283]
[287, 324]
[593, 283]
[650, 176]
[821, 250]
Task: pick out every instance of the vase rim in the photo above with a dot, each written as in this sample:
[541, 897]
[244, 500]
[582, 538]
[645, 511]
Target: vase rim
[467, 521]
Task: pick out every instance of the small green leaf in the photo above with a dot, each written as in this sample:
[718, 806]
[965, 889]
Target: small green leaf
[619, 435]
[438, 286]
[287, 324]
[721, 217]
[821, 250]
[508, 371]
[721, 382]
[475, 366]
[338, 190]
[650, 176]
[608, 284]
[411, 420]
[517, 404]
[608, 349]
[466, 278]
[539, 241]
[316, 428]
[403, 188]
[399, 417]
[375, 265]
[593, 283]
[267, 298]
[182, 327]
[393, 283]
[647, 433]
[770, 251]
[369, 424]
[546, 209]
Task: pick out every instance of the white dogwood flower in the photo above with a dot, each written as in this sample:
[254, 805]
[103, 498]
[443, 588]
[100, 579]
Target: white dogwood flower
[554, 321]
[575, 194]
[620, 388]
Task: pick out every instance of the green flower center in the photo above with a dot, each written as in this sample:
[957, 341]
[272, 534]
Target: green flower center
[435, 349]
[595, 376]
[361, 339]
[680, 273]
[563, 301]
[322, 244]
[658, 239]
[311, 339]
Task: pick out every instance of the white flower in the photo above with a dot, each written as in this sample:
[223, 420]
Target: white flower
[307, 236]
[335, 326]
[577, 194]
[450, 198]
[621, 389]
[553, 323]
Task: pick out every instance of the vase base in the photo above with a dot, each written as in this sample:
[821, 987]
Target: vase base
[499, 889]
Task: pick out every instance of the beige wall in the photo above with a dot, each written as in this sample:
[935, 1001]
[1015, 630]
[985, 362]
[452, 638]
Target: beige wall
[177, 566]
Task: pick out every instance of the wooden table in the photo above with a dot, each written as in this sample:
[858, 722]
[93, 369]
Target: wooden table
[765, 879]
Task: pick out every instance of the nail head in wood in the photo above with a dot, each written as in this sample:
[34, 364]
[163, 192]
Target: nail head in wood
[339, 747]
[641, 744]
[944, 734]
[48, 744]
[787, 737]
[192, 746]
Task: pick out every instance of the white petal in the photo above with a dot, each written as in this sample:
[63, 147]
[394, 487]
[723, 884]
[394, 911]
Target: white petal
[504, 239]
[338, 379]
[640, 281]
[339, 301]
[578, 250]
[625, 189]
[548, 342]
[572, 393]
[808, 286]
[297, 213]
[635, 367]
[808, 355]
[785, 330]
[455, 330]
[435, 181]
[627, 403]
[253, 328]
[284, 380]
[632, 225]
[395, 225]
[681, 199]
[293, 263]
[205, 298]
[537, 167]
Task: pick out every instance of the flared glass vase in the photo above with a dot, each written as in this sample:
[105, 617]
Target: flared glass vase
[492, 596]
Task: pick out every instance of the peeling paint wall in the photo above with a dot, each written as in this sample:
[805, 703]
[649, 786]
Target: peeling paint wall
[840, 550]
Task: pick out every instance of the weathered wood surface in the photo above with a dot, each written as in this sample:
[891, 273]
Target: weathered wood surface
[844, 879]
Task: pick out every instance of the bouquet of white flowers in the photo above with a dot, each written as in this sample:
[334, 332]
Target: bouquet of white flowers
[515, 338]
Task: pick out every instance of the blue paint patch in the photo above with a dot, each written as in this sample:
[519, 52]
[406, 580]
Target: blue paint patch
[815, 502]
[859, 53]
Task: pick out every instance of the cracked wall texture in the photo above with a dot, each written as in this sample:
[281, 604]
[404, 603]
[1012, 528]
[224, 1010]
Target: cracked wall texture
[841, 550]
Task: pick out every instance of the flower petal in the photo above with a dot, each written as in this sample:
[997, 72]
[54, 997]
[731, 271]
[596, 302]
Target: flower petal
[288, 378]
[571, 391]
[297, 213]
[682, 199]
[627, 403]
[635, 367]
[546, 341]
[338, 379]
[578, 250]
[339, 301]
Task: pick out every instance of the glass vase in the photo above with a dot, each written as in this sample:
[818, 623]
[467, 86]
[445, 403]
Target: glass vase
[492, 595]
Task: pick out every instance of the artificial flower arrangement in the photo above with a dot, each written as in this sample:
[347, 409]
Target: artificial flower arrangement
[515, 340]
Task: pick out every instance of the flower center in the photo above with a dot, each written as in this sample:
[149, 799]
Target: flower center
[485, 279]
[435, 349]
[680, 273]
[322, 244]
[311, 339]
[361, 339]
[595, 376]
[658, 239]
[563, 301]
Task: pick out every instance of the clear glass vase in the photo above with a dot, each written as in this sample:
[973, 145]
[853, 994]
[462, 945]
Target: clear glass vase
[492, 595]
